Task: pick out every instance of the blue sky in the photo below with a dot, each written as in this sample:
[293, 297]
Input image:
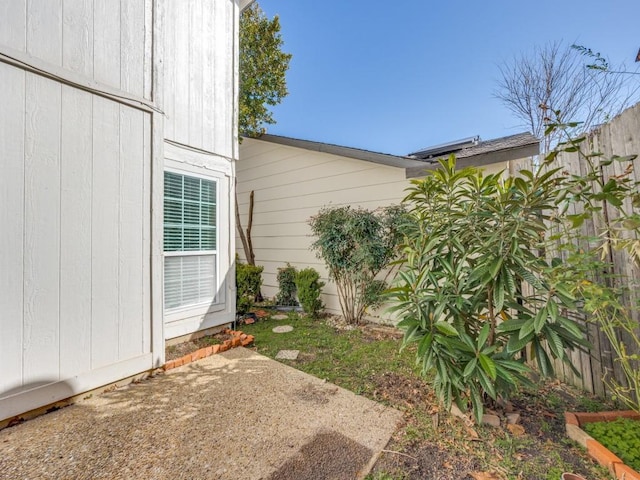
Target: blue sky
[397, 76]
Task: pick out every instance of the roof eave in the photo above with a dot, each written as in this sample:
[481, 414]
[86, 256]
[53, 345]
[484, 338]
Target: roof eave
[349, 152]
[482, 159]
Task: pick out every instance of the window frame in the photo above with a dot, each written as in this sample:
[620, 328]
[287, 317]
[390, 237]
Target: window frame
[208, 306]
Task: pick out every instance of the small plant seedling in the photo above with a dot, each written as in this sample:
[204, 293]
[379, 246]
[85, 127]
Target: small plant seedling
[622, 437]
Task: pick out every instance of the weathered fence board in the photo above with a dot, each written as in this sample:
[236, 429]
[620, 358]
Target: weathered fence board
[621, 136]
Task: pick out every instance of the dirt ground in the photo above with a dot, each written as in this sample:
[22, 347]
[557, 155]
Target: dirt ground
[176, 351]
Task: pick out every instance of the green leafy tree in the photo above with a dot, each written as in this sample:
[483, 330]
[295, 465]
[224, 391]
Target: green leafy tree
[357, 245]
[263, 66]
[474, 290]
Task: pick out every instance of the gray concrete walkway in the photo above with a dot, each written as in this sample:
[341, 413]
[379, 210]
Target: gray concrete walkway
[237, 415]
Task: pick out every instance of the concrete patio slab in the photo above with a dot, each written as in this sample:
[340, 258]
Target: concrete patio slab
[237, 415]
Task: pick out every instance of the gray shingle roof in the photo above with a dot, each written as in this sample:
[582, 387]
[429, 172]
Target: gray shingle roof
[503, 143]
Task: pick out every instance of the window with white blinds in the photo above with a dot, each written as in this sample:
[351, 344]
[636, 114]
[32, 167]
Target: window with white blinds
[190, 240]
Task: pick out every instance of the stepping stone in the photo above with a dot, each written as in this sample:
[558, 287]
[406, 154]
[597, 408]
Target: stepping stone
[287, 354]
[283, 329]
[280, 316]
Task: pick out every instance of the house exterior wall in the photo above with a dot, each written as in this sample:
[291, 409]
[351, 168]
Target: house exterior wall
[199, 99]
[82, 150]
[292, 184]
[76, 196]
[103, 41]
[199, 74]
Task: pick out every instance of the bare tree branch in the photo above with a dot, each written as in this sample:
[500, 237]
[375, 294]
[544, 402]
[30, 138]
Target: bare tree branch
[246, 239]
[553, 78]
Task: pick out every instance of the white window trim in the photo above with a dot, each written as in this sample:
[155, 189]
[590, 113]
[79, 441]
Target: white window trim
[216, 304]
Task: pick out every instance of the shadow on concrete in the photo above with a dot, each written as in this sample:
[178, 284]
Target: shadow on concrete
[228, 416]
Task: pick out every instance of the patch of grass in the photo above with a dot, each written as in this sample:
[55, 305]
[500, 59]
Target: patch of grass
[347, 358]
[588, 404]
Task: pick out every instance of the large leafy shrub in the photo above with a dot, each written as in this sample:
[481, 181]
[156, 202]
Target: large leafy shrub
[474, 290]
[309, 289]
[356, 245]
[248, 283]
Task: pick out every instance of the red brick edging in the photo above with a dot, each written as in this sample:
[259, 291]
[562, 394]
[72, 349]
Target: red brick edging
[238, 339]
[603, 455]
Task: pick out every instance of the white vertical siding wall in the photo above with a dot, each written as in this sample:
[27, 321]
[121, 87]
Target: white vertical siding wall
[199, 74]
[81, 156]
[103, 40]
[200, 77]
[75, 209]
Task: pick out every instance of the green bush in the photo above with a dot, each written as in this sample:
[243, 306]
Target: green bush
[357, 245]
[287, 286]
[248, 283]
[473, 291]
[309, 289]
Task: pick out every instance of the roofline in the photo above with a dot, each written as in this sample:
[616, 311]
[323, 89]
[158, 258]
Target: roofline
[482, 159]
[349, 152]
[429, 152]
[414, 168]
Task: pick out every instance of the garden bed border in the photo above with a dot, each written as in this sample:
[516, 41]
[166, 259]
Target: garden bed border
[605, 457]
[238, 339]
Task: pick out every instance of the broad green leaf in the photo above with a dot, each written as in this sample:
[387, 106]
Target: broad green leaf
[470, 367]
[555, 343]
[488, 366]
[511, 325]
[486, 383]
[552, 310]
[505, 375]
[576, 220]
[571, 326]
[515, 366]
[483, 335]
[446, 328]
[476, 403]
[425, 344]
[543, 361]
[539, 320]
[527, 329]
[515, 343]
[498, 296]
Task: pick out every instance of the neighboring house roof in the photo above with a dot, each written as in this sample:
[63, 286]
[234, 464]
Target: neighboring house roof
[349, 152]
[479, 153]
[470, 152]
[445, 148]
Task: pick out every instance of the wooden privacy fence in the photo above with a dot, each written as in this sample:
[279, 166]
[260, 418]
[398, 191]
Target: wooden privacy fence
[620, 136]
